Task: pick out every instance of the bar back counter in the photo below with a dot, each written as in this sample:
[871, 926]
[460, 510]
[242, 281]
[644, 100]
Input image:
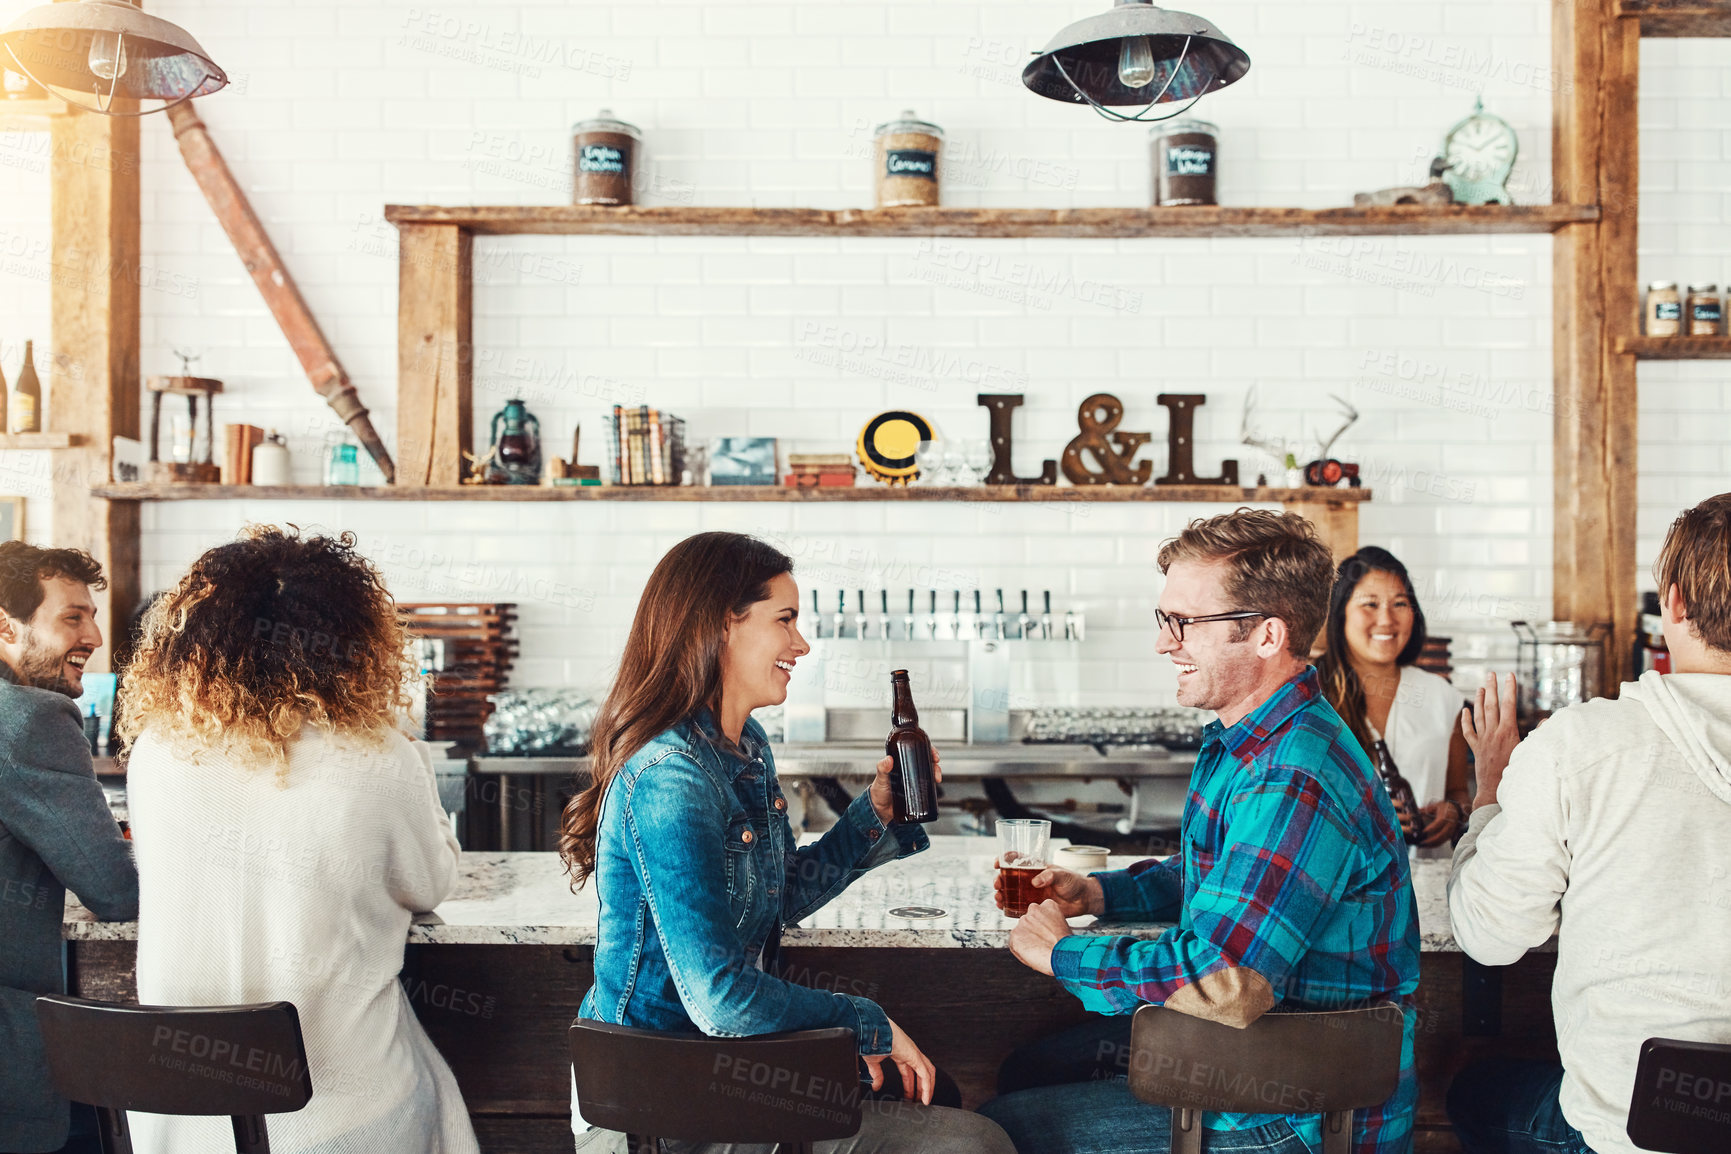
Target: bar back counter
[496, 973]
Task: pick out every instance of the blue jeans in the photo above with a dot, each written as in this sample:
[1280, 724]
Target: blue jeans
[1094, 1051]
[1509, 1106]
[1103, 1117]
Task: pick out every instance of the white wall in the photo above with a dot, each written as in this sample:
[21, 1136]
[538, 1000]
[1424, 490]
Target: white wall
[1441, 343]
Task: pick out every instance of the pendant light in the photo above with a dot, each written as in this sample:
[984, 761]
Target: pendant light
[1136, 55]
[93, 52]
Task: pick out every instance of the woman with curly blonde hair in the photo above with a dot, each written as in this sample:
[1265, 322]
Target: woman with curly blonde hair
[286, 834]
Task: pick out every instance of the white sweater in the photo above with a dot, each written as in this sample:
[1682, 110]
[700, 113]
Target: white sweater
[1613, 830]
[254, 890]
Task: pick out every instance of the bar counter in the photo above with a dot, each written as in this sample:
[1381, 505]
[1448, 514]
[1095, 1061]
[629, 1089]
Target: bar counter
[523, 899]
[497, 971]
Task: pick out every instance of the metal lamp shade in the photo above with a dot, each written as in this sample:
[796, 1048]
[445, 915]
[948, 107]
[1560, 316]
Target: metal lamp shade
[51, 43]
[1088, 52]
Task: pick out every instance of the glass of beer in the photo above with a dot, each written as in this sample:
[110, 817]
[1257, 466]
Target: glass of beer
[1024, 849]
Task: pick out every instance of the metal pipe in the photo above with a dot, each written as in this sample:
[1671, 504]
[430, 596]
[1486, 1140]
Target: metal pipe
[234, 212]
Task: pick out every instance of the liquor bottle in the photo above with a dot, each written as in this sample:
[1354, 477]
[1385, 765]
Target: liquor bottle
[27, 397]
[1399, 788]
[913, 781]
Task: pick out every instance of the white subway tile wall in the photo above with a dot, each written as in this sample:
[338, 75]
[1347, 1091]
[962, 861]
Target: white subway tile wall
[1441, 344]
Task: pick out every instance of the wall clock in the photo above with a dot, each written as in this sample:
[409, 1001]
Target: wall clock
[1481, 151]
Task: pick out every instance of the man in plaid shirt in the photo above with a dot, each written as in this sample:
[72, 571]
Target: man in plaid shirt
[1290, 888]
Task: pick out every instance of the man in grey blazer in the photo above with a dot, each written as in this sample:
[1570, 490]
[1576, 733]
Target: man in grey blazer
[55, 829]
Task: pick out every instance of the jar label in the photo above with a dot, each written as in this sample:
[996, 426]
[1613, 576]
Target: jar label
[913, 162]
[1667, 311]
[600, 158]
[1188, 160]
[1706, 312]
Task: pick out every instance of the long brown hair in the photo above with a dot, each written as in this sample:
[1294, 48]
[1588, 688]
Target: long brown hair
[261, 636]
[671, 667]
[1340, 681]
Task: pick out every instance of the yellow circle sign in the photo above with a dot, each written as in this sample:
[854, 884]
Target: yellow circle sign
[887, 445]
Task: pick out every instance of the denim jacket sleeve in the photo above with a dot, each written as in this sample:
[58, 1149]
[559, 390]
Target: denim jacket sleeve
[676, 820]
[849, 848]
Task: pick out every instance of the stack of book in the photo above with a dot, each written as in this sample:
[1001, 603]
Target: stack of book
[646, 447]
[238, 444]
[819, 470]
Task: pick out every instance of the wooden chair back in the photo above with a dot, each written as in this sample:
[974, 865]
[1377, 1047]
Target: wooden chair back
[792, 1089]
[1328, 1063]
[1682, 1099]
[242, 1061]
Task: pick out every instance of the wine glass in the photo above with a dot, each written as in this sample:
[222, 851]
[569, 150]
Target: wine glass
[956, 464]
[978, 453]
[929, 457]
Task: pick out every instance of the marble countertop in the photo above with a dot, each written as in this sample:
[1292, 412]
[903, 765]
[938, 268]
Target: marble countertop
[524, 899]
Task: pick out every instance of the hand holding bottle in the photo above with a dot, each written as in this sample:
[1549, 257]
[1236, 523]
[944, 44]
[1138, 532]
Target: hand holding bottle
[883, 793]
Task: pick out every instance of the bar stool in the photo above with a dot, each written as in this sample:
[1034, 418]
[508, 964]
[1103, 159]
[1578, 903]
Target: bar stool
[1283, 1063]
[243, 1061]
[1682, 1099]
[792, 1089]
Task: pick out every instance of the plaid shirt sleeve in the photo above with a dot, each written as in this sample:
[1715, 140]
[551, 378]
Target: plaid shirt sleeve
[1149, 891]
[1289, 857]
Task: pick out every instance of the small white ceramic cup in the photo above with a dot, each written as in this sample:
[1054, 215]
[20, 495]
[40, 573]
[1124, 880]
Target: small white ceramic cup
[1080, 858]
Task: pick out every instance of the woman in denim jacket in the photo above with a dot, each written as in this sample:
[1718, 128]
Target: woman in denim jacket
[685, 830]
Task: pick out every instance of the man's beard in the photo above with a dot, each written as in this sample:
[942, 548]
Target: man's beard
[43, 669]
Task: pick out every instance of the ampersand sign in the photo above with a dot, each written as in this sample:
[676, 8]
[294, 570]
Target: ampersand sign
[1098, 419]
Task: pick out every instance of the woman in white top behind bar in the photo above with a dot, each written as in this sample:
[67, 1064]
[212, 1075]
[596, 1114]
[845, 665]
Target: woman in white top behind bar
[286, 834]
[1375, 632]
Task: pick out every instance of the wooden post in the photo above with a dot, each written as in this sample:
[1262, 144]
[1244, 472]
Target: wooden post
[1336, 523]
[93, 372]
[434, 354]
[1596, 57]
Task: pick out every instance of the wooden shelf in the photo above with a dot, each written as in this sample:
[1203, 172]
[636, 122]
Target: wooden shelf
[1205, 221]
[993, 493]
[39, 440]
[1684, 18]
[30, 115]
[1676, 348]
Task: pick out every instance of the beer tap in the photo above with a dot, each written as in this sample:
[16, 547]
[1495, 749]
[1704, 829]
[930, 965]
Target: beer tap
[1072, 626]
[955, 626]
[932, 618]
[908, 621]
[1023, 621]
[859, 620]
[998, 618]
[816, 618]
[841, 612]
[884, 614]
[979, 623]
[1046, 619]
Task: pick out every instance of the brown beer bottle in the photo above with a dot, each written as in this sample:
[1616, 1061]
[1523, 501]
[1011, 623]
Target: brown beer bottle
[913, 784]
[1399, 788]
[27, 397]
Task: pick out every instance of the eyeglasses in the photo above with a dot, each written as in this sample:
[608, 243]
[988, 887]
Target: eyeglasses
[1177, 623]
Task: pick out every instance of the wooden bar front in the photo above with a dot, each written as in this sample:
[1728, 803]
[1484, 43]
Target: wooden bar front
[498, 1014]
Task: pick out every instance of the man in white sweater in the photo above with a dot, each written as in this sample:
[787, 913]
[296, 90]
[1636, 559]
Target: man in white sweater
[1611, 828]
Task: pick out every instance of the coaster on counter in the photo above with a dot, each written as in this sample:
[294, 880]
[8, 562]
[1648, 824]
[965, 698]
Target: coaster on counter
[919, 913]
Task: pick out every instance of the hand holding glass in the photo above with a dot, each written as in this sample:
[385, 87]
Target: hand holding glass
[1024, 850]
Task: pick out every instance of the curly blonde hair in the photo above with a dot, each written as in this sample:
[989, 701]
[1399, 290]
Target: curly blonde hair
[262, 636]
